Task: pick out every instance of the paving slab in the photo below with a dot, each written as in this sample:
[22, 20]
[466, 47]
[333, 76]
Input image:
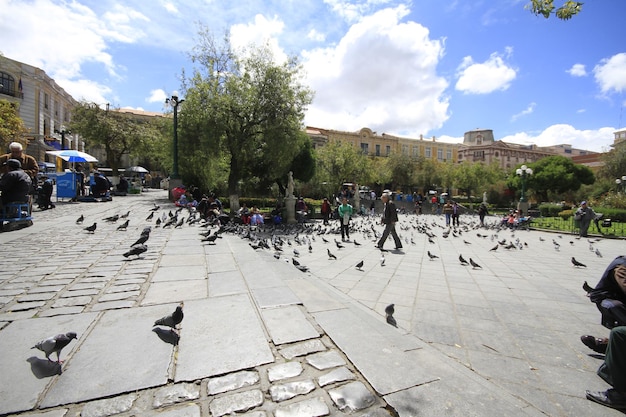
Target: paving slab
[175, 291]
[287, 324]
[121, 354]
[226, 283]
[231, 336]
[386, 367]
[19, 387]
[274, 296]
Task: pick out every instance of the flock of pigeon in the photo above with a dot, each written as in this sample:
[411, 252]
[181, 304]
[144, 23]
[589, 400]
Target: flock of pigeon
[287, 241]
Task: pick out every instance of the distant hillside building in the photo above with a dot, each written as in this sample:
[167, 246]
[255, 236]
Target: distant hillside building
[372, 144]
[43, 105]
[479, 145]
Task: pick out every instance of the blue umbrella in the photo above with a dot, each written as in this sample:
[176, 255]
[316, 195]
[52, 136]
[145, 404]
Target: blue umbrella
[71, 155]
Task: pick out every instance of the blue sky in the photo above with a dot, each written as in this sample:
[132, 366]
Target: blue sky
[430, 67]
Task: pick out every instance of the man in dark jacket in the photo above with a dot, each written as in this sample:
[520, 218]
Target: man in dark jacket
[609, 295]
[15, 184]
[390, 217]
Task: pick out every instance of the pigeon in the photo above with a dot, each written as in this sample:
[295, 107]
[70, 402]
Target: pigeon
[302, 268]
[431, 256]
[495, 248]
[155, 208]
[91, 228]
[150, 216]
[124, 225]
[587, 287]
[359, 265]
[431, 241]
[136, 250]
[142, 239]
[339, 245]
[180, 223]
[382, 259]
[577, 264]
[389, 310]
[211, 239]
[158, 222]
[474, 264]
[463, 261]
[55, 344]
[80, 219]
[598, 254]
[356, 243]
[296, 253]
[112, 219]
[172, 320]
[124, 216]
[295, 263]
[330, 255]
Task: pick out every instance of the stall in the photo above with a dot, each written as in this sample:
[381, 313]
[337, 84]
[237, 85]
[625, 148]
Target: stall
[67, 186]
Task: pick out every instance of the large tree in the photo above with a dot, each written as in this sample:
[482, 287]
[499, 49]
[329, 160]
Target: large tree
[475, 177]
[614, 163]
[546, 8]
[12, 126]
[340, 162]
[118, 133]
[245, 107]
[556, 174]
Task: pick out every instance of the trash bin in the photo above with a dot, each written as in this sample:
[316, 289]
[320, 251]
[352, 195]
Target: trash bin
[606, 223]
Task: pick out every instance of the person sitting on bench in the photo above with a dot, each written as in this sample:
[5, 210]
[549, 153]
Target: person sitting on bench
[15, 184]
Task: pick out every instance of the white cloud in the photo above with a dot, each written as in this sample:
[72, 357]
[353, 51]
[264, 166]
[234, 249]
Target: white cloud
[577, 70]
[610, 73]
[593, 140]
[316, 36]
[353, 11]
[170, 7]
[528, 110]
[381, 74]
[487, 77]
[157, 96]
[260, 32]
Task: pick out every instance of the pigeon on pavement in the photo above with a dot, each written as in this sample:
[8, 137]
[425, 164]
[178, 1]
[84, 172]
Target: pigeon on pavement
[389, 310]
[359, 266]
[136, 250]
[80, 219]
[124, 225]
[474, 264]
[55, 344]
[172, 320]
[577, 264]
[463, 261]
[92, 228]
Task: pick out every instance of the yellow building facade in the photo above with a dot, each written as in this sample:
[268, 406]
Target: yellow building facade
[372, 144]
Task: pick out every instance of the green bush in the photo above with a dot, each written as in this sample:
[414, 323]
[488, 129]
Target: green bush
[550, 209]
[615, 214]
[565, 214]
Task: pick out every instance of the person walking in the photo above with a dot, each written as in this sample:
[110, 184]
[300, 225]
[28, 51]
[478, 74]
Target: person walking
[482, 212]
[456, 211]
[390, 217]
[345, 211]
[584, 215]
[326, 210]
[447, 211]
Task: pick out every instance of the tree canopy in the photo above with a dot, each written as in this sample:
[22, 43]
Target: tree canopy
[118, 133]
[557, 174]
[245, 108]
[12, 126]
[546, 8]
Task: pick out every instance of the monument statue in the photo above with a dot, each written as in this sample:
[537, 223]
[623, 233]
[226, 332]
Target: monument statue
[290, 185]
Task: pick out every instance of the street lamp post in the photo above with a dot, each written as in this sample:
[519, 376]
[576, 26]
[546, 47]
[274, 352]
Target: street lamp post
[174, 101]
[524, 172]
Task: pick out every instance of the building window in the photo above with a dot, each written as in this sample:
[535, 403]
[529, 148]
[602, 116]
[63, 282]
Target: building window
[377, 150]
[496, 154]
[46, 100]
[405, 149]
[427, 152]
[440, 154]
[364, 148]
[7, 84]
[416, 151]
[449, 154]
[387, 150]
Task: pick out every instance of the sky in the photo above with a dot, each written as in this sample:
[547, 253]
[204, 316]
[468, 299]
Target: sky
[408, 68]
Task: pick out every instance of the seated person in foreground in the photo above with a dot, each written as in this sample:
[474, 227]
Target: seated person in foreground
[122, 187]
[609, 295]
[613, 372]
[15, 184]
[101, 186]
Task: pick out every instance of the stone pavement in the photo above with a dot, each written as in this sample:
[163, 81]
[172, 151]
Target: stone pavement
[261, 338]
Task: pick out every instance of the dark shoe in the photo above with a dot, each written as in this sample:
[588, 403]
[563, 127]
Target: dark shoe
[595, 343]
[609, 398]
